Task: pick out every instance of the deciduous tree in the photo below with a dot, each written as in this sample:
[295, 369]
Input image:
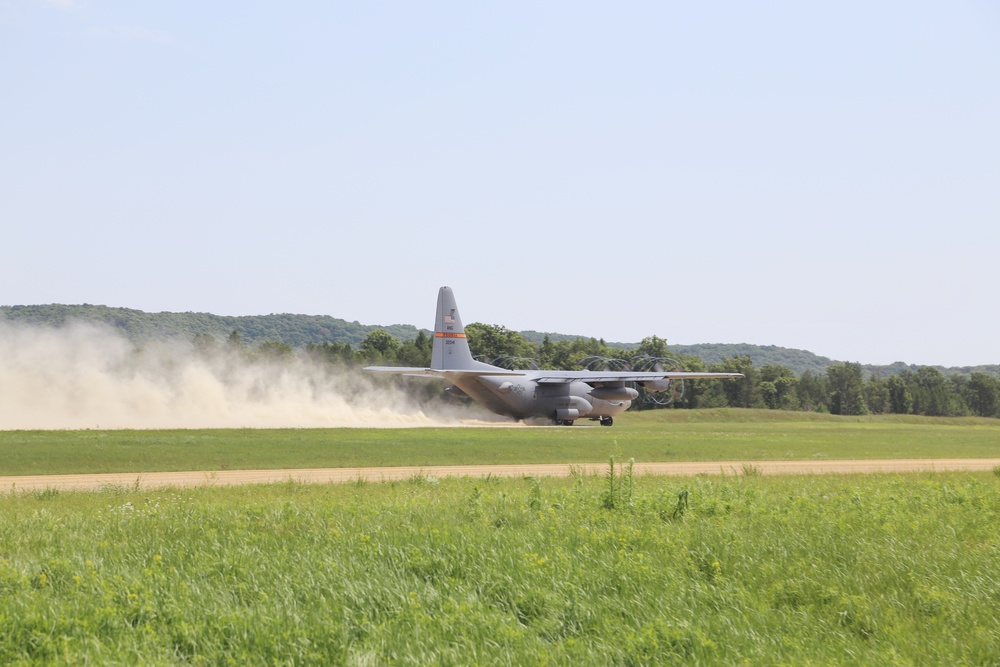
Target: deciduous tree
[983, 395]
[740, 393]
[811, 393]
[900, 400]
[776, 386]
[876, 393]
[845, 384]
[379, 344]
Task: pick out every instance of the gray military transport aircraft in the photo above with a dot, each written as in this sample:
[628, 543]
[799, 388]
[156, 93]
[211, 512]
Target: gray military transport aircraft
[562, 396]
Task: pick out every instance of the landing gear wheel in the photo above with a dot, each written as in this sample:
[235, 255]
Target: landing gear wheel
[607, 421]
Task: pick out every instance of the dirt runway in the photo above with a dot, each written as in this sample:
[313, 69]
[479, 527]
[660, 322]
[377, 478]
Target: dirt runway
[148, 480]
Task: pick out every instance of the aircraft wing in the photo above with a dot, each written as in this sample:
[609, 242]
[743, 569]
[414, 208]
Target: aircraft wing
[562, 377]
[556, 377]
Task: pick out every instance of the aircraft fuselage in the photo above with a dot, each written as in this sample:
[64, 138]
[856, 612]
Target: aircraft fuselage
[524, 397]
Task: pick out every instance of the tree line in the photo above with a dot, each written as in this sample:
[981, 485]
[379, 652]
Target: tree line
[300, 331]
[841, 389]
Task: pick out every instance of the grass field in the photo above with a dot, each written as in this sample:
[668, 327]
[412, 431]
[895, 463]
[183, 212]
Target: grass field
[612, 570]
[664, 435]
[873, 570]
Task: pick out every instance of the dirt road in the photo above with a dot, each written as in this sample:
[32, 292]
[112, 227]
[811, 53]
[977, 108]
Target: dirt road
[340, 475]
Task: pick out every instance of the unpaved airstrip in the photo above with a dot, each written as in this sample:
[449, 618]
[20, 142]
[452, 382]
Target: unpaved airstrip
[149, 480]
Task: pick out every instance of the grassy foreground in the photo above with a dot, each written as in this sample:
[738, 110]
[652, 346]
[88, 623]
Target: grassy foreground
[663, 435]
[874, 570]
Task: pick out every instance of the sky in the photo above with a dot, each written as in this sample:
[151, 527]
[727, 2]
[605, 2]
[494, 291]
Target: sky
[819, 176]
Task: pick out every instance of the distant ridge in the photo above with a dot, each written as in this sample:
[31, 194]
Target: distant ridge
[141, 327]
[799, 361]
[300, 330]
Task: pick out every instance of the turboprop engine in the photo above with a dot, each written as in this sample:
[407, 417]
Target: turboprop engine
[614, 393]
[574, 408]
[656, 385]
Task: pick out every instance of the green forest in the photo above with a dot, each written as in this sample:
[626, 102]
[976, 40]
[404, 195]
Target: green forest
[775, 378]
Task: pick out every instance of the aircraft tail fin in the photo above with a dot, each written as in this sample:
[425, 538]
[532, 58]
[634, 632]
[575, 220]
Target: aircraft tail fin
[451, 348]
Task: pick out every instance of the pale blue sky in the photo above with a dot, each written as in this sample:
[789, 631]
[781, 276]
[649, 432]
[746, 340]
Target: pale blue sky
[787, 173]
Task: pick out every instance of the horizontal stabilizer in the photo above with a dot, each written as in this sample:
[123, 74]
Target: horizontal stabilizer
[400, 370]
[435, 372]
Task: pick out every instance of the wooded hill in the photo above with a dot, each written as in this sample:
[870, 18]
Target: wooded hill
[301, 330]
[141, 327]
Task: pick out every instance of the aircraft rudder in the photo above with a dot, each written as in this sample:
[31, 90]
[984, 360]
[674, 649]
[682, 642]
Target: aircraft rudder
[448, 319]
[451, 348]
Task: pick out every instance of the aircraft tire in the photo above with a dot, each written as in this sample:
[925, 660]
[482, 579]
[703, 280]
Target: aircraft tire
[607, 421]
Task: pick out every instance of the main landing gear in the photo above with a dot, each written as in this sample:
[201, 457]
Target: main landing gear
[605, 421]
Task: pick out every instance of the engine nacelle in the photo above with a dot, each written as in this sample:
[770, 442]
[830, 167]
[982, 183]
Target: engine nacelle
[614, 393]
[656, 385]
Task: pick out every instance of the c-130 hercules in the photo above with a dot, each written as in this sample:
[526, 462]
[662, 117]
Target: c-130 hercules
[562, 396]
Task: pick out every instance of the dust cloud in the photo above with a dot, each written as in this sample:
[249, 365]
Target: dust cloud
[83, 376]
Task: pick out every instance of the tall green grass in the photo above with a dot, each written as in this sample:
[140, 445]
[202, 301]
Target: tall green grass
[619, 570]
[662, 435]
